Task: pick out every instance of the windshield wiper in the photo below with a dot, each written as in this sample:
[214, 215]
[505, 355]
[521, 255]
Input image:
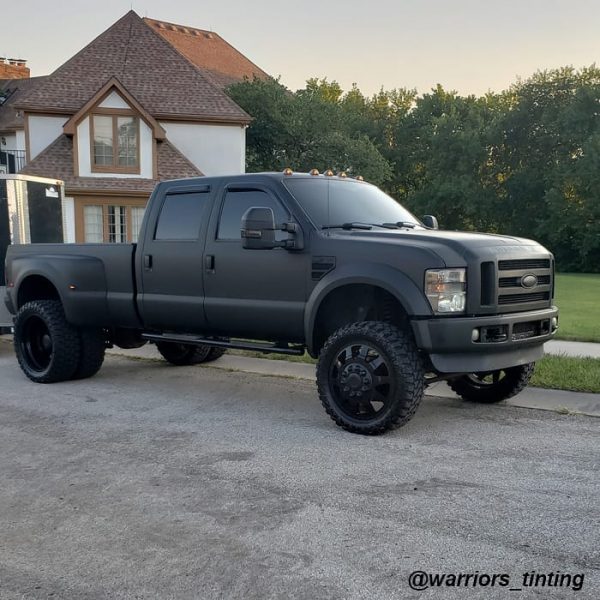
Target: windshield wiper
[349, 226]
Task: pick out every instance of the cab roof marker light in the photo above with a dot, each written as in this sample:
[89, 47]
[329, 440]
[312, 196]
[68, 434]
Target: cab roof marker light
[342, 174]
[328, 173]
[359, 178]
[314, 172]
[288, 171]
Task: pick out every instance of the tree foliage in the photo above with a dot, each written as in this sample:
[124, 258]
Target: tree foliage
[524, 162]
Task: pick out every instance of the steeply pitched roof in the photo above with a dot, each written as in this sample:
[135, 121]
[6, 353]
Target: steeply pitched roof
[56, 161]
[163, 81]
[10, 118]
[209, 52]
[113, 84]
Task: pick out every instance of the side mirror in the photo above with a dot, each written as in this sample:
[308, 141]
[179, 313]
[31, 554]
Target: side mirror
[258, 229]
[430, 222]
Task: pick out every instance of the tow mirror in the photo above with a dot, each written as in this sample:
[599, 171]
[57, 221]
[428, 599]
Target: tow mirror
[258, 229]
[430, 222]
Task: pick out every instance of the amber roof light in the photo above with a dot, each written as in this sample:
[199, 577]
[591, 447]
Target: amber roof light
[314, 172]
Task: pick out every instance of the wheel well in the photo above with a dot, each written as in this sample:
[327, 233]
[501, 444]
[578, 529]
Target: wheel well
[36, 287]
[353, 303]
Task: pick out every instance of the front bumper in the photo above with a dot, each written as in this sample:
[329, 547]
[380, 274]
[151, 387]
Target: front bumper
[504, 340]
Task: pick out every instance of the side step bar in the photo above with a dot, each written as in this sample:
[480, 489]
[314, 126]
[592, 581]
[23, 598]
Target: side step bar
[194, 340]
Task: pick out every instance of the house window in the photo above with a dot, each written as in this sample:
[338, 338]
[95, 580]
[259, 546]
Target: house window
[115, 143]
[110, 222]
[117, 224]
[137, 216]
[93, 225]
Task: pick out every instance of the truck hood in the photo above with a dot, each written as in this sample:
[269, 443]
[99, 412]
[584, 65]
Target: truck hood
[451, 246]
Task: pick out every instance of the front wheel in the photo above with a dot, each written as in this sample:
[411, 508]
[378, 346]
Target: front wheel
[493, 386]
[47, 347]
[370, 377]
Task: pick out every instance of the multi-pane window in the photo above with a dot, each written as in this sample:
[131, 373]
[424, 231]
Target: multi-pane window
[117, 224]
[137, 216]
[109, 222]
[115, 143]
[93, 224]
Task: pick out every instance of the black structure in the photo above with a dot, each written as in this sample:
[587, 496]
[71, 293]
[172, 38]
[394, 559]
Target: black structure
[303, 261]
[30, 212]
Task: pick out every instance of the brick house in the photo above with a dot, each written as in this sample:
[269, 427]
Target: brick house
[143, 102]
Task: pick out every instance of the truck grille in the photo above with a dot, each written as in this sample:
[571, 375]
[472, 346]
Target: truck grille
[527, 263]
[520, 298]
[517, 284]
[507, 282]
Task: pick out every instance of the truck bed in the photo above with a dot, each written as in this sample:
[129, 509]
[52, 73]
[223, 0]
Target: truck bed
[95, 268]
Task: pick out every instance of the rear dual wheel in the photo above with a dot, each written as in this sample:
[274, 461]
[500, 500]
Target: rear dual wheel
[49, 349]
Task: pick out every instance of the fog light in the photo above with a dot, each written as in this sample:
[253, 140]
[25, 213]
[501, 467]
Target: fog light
[475, 335]
[554, 323]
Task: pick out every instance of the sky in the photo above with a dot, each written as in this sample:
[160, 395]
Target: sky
[471, 46]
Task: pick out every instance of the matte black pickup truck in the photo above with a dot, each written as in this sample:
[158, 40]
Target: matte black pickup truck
[322, 263]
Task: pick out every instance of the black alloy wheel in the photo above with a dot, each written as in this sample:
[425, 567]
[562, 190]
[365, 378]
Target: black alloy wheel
[370, 377]
[47, 346]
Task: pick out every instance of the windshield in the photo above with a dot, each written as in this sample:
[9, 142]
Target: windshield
[349, 202]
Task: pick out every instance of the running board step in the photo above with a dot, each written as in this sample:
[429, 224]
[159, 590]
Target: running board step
[221, 343]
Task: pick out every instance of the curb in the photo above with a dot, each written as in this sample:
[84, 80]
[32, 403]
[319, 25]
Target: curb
[558, 401]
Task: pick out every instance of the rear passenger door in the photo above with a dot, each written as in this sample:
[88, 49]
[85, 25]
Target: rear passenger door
[171, 260]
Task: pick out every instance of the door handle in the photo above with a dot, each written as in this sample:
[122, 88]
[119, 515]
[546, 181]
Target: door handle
[209, 263]
[147, 261]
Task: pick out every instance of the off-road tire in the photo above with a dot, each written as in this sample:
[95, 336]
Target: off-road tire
[397, 348]
[92, 350]
[183, 355]
[215, 353]
[47, 347]
[515, 380]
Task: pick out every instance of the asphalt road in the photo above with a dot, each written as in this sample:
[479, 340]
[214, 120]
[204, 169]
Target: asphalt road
[152, 481]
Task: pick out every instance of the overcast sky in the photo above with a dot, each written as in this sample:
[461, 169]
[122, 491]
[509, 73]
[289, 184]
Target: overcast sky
[468, 45]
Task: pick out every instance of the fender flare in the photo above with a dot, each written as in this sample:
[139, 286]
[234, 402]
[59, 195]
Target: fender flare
[84, 305]
[386, 277]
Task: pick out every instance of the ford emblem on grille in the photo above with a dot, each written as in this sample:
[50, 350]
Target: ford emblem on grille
[529, 281]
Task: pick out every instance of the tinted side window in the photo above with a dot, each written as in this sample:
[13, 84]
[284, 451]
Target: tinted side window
[181, 216]
[237, 203]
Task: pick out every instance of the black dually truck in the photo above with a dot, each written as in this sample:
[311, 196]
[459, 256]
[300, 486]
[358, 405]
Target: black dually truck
[291, 262]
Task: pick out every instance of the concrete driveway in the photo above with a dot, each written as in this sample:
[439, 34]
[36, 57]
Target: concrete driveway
[151, 481]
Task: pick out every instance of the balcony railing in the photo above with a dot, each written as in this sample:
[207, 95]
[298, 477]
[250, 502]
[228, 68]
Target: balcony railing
[12, 161]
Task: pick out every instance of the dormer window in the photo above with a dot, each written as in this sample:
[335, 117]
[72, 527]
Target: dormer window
[115, 138]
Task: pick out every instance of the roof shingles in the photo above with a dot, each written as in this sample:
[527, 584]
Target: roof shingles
[56, 162]
[217, 59]
[157, 75]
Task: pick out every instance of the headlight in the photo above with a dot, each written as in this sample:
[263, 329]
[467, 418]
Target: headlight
[446, 290]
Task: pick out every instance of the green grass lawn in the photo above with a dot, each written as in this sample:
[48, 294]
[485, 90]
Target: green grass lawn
[568, 373]
[578, 298]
